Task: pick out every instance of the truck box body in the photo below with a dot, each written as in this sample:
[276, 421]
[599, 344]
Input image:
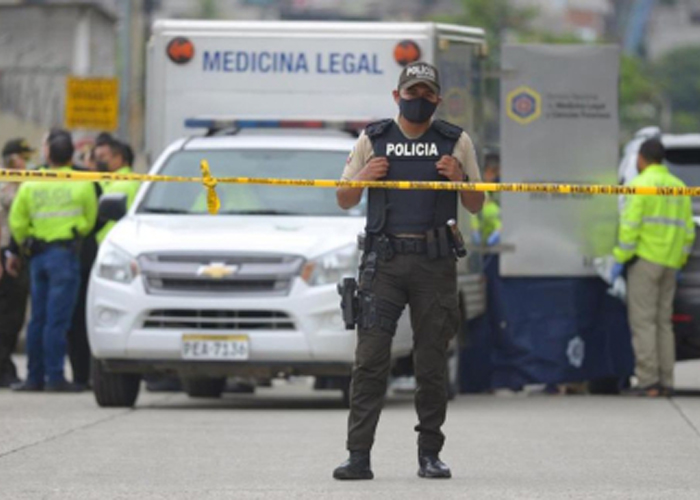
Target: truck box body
[296, 70]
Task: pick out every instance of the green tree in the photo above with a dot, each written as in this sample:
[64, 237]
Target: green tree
[496, 17]
[640, 99]
[678, 73]
[550, 38]
[208, 9]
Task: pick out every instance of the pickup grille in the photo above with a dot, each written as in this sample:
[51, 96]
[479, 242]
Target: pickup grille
[229, 286]
[218, 319]
[217, 274]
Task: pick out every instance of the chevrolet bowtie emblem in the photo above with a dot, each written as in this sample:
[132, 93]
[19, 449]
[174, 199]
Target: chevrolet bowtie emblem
[217, 270]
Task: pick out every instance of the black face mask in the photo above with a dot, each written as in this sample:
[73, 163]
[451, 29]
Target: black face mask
[102, 166]
[418, 110]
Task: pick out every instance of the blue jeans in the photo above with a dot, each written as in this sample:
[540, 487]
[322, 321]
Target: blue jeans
[55, 280]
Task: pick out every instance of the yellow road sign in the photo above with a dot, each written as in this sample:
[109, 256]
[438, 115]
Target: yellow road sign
[92, 103]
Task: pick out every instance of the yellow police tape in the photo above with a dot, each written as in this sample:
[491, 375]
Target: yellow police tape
[213, 203]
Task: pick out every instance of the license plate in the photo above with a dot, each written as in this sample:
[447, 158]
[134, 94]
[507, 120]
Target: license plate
[215, 347]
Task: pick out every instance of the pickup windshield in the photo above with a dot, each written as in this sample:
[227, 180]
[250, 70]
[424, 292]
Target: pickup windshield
[249, 199]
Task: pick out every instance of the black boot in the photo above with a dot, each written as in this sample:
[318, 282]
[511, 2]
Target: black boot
[27, 387]
[355, 467]
[430, 466]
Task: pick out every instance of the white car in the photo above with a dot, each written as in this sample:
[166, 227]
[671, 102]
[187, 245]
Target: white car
[682, 150]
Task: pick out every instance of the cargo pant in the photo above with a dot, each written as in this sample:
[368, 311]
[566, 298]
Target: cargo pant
[14, 294]
[651, 289]
[430, 290]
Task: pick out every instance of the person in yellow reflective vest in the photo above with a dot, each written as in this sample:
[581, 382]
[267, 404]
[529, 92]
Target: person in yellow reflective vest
[115, 157]
[656, 236]
[486, 226]
[48, 220]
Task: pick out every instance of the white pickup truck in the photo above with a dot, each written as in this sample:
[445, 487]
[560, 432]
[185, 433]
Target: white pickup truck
[252, 291]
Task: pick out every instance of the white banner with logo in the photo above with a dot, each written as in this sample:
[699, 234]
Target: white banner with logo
[559, 118]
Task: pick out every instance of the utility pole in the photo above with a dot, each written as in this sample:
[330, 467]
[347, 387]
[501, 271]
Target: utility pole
[125, 69]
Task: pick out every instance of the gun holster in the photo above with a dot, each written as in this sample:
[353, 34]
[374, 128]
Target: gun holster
[349, 304]
[33, 246]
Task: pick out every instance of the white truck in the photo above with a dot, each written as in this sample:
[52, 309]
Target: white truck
[252, 291]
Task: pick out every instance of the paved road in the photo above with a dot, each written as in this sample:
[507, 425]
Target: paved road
[283, 442]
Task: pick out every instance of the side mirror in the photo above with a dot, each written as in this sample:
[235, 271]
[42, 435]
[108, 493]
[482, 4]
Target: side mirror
[112, 206]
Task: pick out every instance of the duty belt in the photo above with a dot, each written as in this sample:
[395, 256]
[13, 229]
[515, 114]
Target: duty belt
[33, 247]
[398, 245]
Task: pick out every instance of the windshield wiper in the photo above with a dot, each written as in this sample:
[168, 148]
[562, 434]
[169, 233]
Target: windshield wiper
[258, 212]
[158, 210]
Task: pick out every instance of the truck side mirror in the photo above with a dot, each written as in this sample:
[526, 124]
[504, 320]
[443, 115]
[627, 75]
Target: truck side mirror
[112, 206]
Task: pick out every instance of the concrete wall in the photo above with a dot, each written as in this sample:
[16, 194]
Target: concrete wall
[673, 26]
[41, 46]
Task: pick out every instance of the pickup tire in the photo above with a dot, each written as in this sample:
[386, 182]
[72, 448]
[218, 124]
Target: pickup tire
[202, 387]
[114, 390]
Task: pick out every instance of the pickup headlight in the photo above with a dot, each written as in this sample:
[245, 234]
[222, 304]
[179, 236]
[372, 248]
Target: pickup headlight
[117, 265]
[332, 267]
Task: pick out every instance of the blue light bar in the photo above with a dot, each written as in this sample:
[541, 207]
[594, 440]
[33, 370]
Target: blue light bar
[213, 124]
[199, 123]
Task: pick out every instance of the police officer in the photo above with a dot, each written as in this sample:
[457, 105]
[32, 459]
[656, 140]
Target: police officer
[486, 227]
[655, 239]
[48, 219]
[407, 259]
[78, 348]
[115, 157]
[14, 290]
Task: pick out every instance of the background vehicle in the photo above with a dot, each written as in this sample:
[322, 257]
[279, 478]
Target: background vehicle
[683, 160]
[252, 291]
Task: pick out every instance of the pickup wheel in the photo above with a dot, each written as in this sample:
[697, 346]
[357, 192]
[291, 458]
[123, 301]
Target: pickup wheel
[202, 387]
[114, 390]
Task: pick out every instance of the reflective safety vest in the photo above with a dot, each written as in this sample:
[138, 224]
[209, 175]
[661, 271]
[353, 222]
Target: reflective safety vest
[488, 221]
[53, 211]
[129, 188]
[659, 229]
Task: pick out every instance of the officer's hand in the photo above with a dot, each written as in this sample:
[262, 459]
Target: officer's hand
[450, 167]
[13, 265]
[375, 169]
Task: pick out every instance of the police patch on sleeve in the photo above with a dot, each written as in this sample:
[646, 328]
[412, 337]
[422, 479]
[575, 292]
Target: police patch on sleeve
[350, 157]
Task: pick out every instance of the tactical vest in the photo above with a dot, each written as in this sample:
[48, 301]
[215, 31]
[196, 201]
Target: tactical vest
[393, 211]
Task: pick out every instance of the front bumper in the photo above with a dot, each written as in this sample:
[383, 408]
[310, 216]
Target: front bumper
[117, 316]
[228, 369]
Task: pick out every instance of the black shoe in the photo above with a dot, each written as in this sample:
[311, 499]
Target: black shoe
[667, 392]
[355, 467]
[652, 391]
[430, 466]
[8, 380]
[27, 387]
[64, 386]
